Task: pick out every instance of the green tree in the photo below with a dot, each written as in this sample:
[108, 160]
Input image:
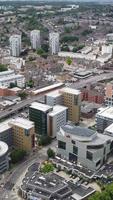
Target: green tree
[23, 95]
[17, 155]
[69, 61]
[40, 51]
[44, 140]
[50, 153]
[3, 68]
[48, 167]
[30, 83]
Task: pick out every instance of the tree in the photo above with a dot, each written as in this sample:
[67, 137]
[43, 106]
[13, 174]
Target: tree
[45, 47]
[69, 38]
[3, 68]
[23, 95]
[69, 61]
[44, 140]
[12, 85]
[65, 48]
[48, 167]
[17, 155]
[50, 153]
[30, 83]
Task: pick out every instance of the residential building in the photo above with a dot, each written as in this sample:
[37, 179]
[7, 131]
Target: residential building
[23, 134]
[104, 118]
[109, 94]
[16, 79]
[55, 119]
[107, 49]
[84, 146]
[54, 98]
[8, 77]
[38, 114]
[92, 93]
[109, 37]
[72, 100]
[15, 45]
[54, 42]
[4, 157]
[35, 39]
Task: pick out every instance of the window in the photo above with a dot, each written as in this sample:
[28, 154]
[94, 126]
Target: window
[73, 142]
[75, 150]
[61, 145]
[89, 155]
[98, 163]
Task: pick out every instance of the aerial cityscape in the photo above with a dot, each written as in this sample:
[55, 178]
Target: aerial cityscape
[56, 100]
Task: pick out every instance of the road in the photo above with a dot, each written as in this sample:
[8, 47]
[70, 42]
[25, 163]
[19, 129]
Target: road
[77, 85]
[91, 80]
[11, 180]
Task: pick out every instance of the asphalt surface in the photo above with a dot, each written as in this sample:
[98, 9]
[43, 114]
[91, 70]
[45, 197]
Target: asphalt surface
[11, 180]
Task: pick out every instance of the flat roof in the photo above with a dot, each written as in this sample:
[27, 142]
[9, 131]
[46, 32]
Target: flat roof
[40, 106]
[77, 130]
[57, 109]
[106, 112]
[70, 90]
[3, 148]
[53, 94]
[109, 129]
[4, 126]
[11, 77]
[21, 122]
[50, 87]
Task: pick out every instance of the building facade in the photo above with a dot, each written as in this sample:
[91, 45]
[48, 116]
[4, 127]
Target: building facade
[72, 100]
[35, 39]
[104, 118]
[23, 134]
[6, 133]
[84, 146]
[9, 76]
[54, 43]
[38, 114]
[109, 94]
[15, 45]
[55, 119]
[54, 98]
[4, 157]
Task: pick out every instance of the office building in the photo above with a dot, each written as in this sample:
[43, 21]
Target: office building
[38, 186]
[54, 98]
[109, 94]
[35, 39]
[6, 133]
[55, 119]
[15, 45]
[104, 118]
[38, 114]
[54, 43]
[72, 100]
[23, 134]
[4, 157]
[84, 146]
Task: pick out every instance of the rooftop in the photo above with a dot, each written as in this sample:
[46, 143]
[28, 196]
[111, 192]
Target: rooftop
[21, 122]
[3, 148]
[53, 94]
[70, 91]
[40, 106]
[57, 109]
[4, 126]
[106, 112]
[78, 131]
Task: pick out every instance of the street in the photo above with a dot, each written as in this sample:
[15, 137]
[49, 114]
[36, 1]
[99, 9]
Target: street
[11, 180]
